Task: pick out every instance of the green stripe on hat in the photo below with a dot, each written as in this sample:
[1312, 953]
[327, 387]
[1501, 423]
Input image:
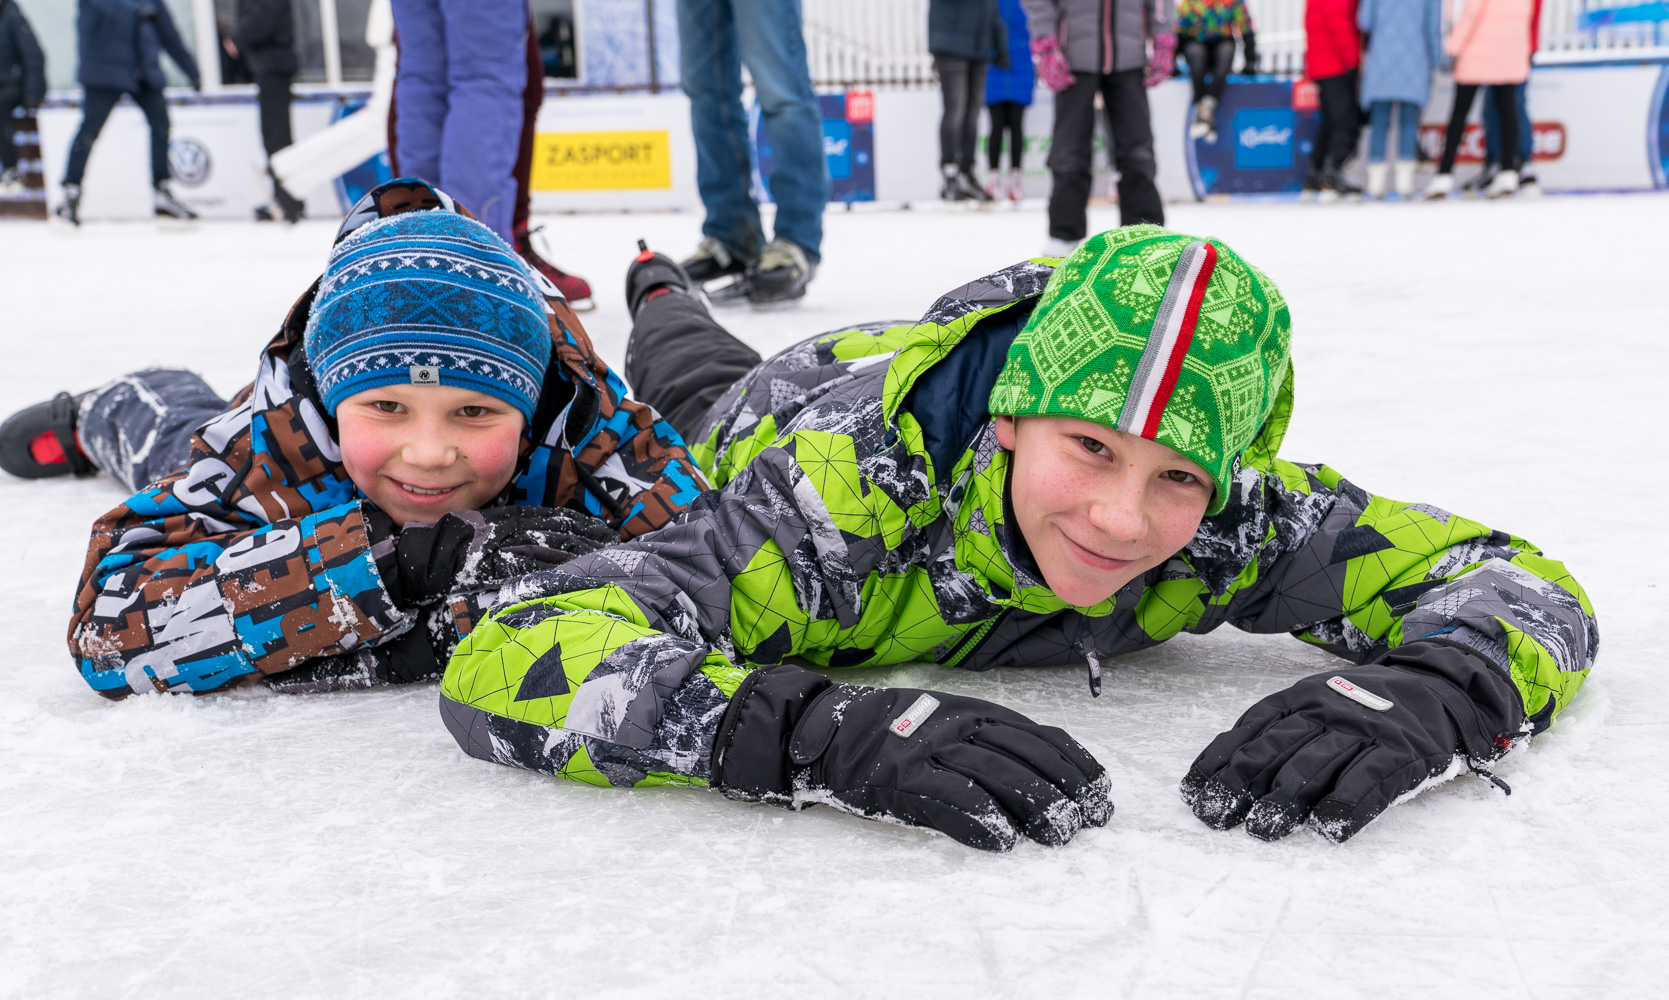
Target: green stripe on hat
[1174, 335]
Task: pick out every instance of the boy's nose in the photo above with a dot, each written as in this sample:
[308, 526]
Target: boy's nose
[1119, 513]
[429, 453]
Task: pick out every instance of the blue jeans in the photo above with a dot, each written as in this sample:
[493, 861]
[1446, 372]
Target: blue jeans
[1408, 129]
[715, 39]
[458, 100]
[1492, 129]
[138, 428]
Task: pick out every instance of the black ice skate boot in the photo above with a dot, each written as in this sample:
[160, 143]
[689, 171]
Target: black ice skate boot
[780, 276]
[38, 442]
[653, 274]
[168, 207]
[70, 208]
[712, 260]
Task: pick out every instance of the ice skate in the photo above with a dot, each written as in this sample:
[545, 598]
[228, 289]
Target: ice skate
[573, 287]
[1441, 186]
[951, 191]
[652, 274]
[69, 210]
[1334, 186]
[1479, 182]
[712, 260]
[11, 183]
[1528, 186]
[1016, 190]
[38, 442]
[971, 187]
[1204, 125]
[1404, 181]
[1376, 180]
[780, 276]
[1502, 185]
[169, 210]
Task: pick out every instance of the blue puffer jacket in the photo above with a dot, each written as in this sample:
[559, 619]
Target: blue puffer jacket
[1016, 83]
[121, 44]
[1405, 43]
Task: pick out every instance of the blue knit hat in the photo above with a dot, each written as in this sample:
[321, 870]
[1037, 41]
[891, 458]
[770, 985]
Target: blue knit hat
[428, 298]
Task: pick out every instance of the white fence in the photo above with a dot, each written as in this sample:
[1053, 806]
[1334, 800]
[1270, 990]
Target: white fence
[876, 42]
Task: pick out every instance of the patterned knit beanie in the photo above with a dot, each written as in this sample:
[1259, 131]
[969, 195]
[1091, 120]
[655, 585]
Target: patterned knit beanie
[428, 298]
[1170, 337]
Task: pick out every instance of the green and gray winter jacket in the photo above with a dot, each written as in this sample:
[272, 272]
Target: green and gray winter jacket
[861, 519]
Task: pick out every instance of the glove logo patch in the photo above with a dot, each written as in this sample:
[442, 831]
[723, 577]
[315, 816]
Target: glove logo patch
[1358, 695]
[915, 715]
[425, 375]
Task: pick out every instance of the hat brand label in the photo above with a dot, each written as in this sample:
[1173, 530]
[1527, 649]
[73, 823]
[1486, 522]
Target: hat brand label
[425, 375]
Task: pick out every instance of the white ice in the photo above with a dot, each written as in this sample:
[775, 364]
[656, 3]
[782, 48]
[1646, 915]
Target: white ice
[1505, 361]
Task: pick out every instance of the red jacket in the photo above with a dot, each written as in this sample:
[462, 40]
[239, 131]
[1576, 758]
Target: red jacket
[1334, 45]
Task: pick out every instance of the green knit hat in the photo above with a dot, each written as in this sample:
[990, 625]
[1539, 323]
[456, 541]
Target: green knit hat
[1170, 337]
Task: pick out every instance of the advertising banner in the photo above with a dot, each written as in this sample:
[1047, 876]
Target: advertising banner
[1266, 130]
[848, 146]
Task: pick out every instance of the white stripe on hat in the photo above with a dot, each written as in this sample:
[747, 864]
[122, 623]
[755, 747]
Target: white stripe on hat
[1167, 341]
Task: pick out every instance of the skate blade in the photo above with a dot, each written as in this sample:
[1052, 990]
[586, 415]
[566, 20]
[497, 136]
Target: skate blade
[169, 224]
[778, 305]
[584, 305]
[59, 224]
[725, 296]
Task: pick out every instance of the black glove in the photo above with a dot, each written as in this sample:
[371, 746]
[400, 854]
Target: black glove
[1339, 754]
[478, 549]
[968, 768]
[1249, 53]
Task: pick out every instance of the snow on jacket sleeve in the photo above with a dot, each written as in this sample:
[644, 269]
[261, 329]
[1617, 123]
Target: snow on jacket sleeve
[620, 673]
[251, 560]
[1300, 549]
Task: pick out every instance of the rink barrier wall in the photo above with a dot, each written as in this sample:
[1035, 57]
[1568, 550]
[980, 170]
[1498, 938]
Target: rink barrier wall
[1597, 127]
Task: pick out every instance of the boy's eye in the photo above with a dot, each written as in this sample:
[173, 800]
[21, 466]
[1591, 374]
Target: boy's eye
[1093, 446]
[472, 411]
[387, 405]
[1179, 476]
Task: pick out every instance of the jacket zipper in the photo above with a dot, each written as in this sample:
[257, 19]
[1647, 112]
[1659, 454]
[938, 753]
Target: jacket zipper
[972, 641]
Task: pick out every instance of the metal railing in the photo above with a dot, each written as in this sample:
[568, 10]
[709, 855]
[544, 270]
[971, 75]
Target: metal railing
[884, 42]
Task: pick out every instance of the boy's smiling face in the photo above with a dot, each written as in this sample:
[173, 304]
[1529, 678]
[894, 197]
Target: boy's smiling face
[1098, 507]
[421, 451]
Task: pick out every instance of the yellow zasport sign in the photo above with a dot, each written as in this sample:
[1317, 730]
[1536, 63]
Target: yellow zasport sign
[601, 161]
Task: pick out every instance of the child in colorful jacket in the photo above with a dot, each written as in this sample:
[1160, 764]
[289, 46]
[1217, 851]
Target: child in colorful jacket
[1205, 33]
[429, 421]
[1065, 460]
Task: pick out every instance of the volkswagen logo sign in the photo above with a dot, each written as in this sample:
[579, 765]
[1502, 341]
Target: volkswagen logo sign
[188, 161]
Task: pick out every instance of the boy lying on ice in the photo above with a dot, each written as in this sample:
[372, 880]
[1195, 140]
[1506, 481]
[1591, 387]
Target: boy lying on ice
[428, 372]
[1055, 465]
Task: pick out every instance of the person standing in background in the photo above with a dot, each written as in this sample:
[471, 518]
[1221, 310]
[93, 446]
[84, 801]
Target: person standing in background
[1089, 47]
[965, 37]
[1526, 132]
[716, 38]
[1008, 93]
[1205, 31]
[1405, 43]
[264, 36]
[119, 49]
[464, 95]
[22, 85]
[1491, 46]
[1332, 56]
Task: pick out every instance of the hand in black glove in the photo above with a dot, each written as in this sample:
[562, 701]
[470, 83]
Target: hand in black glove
[973, 770]
[478, 549]
[1339, 754]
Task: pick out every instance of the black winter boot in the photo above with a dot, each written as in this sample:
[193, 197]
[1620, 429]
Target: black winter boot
[70, 208]
[651, 272]
[780, 275]
[38, 442]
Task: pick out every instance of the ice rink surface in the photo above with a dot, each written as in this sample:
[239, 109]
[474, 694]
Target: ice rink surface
[1505, 361]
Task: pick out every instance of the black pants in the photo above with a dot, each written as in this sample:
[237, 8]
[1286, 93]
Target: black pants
[1209, 62]
[1341, 121]
[1070, 161]
[11, 97]
[95, 110]
[1007, 119]
[272, 96]
[962, 85]
[680, 360]
[1506, 110]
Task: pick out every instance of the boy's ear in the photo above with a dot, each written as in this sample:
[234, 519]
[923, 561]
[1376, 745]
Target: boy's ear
[1005, 432]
